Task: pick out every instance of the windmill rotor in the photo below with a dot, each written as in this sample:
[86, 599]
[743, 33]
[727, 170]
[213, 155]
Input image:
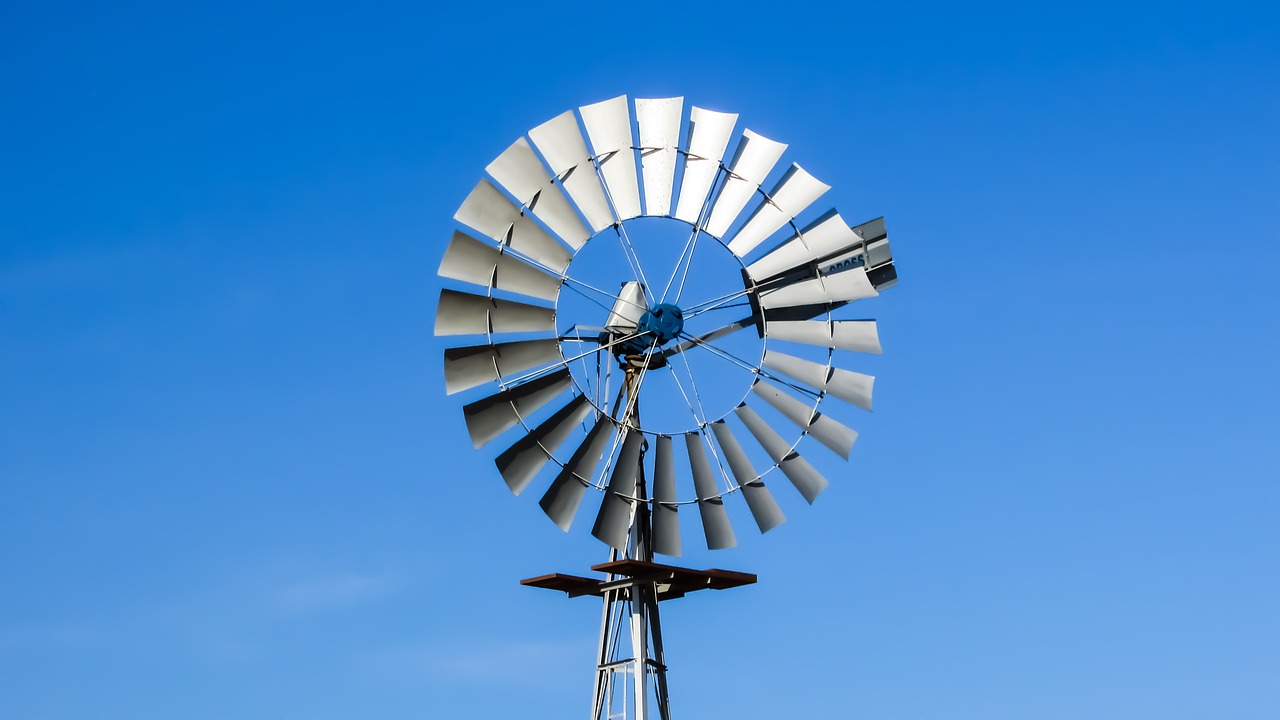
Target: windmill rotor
[651, 311]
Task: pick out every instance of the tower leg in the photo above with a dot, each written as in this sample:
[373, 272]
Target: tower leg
[659, 658]
[616, 695]
[601, 691]
[640, 651]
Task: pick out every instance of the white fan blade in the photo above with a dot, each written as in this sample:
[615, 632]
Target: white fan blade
[843, 286]
[795, 192]
[763, 507]
[480, 263]
[827, 235]
[659, 121]
[709, 133]
[519, 463]
[666, 519]
[613, 522]
[608, 126]
[563, 498]
[560, 142]
[755, 157]
[460, 313]
[827, 250]
[489, 211]
[715, 521]
[490, 417]
[831, 433]
[806, 479]
[852, 387]
[475, 365]
[857, 335]
[521, 172]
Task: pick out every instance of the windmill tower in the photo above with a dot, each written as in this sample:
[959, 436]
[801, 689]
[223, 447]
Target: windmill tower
[617, 368]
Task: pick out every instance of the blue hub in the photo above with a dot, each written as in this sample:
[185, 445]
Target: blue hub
[663, 321]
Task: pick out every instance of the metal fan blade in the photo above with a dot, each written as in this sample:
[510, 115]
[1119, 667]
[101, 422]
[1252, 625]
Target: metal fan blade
[794, 192]
[843, 286]
[560, 142]
[489, 211]
[807, 480]
[614, 519]
[831, 433]
[763, 507]
[810, 373]
[856, 335]
[709, 133]
[474, 365]
[608, 126]
[460, 313]
[520, 171]
[519, 463]
[666, 519]
[563, 498]
[490, 417]
[849, 386]
[477, 262]
[755, 157]
[827, 235]
[659, 121]
[715, 520]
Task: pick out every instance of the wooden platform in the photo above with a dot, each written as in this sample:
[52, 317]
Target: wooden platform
[672, 581]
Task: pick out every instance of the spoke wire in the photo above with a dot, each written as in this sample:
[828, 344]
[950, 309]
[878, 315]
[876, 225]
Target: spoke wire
[633, 398]
[703, 213]
[715, 303]
[628, 250]
[563, 362]
[757, 370]
[606, 293]
[697, 232]
[507, 249]
[586, 373]
[691, 245]
[702, 424]
[679, 261]
[633, 259]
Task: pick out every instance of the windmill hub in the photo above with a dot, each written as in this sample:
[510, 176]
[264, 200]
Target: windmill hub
[663, 321]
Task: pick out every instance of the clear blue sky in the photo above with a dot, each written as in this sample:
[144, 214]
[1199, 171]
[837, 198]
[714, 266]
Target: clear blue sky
[231, 486]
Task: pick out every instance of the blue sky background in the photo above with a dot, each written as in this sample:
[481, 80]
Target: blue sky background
[231, 485]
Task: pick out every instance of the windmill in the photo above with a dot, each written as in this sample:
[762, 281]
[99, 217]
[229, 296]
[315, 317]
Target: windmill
[723, 330]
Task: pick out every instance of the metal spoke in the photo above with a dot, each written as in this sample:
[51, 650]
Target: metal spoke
[700, 418]
[628, 250]
[719, 332]
[633, 259]
[697, 231]
[680, 261]
[716, 303]
[757, 370]
[606, 293]
[507, 249]
[564, 362]
[614, 450]
[702, 423]
[633, 397]
[716, 183]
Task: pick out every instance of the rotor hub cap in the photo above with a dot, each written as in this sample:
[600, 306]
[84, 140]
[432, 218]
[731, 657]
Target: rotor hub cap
[663, 321]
